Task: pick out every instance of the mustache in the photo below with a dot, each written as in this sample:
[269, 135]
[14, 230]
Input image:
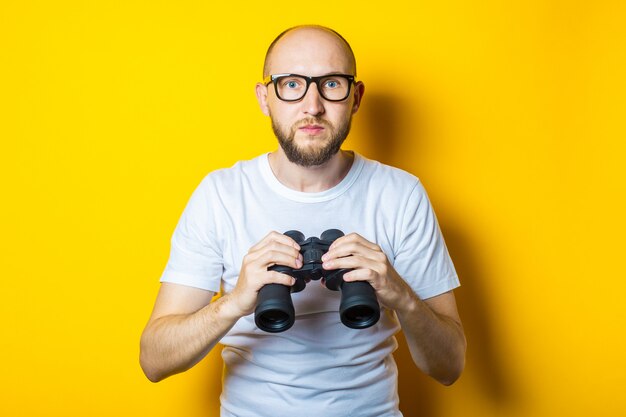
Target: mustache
[312, 121]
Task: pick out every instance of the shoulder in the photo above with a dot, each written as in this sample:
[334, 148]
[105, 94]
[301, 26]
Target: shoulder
[218, 187]
[227, 178]
[388, 177]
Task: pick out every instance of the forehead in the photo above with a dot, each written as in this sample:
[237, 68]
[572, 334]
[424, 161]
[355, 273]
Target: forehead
[310, 51]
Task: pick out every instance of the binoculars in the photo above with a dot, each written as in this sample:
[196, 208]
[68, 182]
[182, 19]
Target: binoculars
[274, 310]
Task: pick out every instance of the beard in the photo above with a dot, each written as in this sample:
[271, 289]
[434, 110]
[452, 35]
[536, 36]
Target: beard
[311, 156]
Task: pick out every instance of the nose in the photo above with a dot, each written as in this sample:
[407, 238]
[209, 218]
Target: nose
[312, 102]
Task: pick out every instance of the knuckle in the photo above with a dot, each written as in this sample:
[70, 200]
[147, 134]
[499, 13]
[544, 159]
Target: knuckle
[284, 279]
[270, 255]
[247, 258]
[369, 274]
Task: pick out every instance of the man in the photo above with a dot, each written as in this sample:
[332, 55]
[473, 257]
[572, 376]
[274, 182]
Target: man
[231, 233]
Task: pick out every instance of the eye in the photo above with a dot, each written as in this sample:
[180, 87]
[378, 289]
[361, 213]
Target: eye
[291, 83]
[331, 84]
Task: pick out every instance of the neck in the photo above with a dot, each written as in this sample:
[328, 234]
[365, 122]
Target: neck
[311, 179]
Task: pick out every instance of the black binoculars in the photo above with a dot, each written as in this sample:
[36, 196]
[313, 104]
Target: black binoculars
[274, 310]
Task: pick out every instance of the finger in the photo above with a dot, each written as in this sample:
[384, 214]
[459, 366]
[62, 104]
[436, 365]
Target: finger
[261, 243]
[366, 275]
[278, 257]
[355, 248]
[351, 262]
[254, 263]
[274, 277]
[353, 238]
[273, 245]
[274, 236]
[346, 249]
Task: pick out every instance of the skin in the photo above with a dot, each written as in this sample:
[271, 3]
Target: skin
[185, 325]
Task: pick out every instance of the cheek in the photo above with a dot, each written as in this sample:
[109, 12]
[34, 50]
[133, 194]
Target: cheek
[340, 115]
[281, 113]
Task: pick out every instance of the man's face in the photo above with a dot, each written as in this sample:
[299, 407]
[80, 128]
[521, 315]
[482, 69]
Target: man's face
[310, 131]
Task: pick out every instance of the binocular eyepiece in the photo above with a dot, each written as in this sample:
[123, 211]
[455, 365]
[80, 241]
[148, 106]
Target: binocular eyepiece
[274, 310]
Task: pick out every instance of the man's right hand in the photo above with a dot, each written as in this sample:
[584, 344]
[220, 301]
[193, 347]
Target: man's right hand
[185, 325]
[273, 249]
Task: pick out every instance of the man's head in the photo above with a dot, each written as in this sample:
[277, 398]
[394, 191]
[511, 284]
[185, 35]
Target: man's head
[312, 128]
[346, 45]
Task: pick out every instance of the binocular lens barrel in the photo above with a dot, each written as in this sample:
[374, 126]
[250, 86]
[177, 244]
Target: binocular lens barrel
[274, 311]
[359, 307]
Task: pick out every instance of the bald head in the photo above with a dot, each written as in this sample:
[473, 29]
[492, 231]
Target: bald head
[318, 40]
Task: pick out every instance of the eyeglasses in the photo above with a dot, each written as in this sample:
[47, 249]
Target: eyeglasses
[293, 87]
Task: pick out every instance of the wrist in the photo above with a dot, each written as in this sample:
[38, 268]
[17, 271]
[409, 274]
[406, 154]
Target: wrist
[409, 305]
[229, 309]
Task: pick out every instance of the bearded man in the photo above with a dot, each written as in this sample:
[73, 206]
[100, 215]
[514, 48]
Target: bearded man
[230, 239]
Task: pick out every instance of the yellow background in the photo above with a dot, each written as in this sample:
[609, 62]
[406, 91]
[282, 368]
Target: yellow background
[512, 114]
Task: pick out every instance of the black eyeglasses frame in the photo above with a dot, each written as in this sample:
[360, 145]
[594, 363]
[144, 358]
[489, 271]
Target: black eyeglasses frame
[273, 78]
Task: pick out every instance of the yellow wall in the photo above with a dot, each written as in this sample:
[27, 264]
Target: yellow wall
[512, 114]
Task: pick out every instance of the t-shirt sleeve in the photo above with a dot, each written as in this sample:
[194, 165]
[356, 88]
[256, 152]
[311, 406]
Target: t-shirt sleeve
[195, 254]
[422, 258]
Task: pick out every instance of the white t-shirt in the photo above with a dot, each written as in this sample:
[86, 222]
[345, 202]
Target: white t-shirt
[318, 367]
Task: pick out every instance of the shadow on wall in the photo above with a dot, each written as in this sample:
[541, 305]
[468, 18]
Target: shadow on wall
[489, 364]
[394, 135]
[381, 136]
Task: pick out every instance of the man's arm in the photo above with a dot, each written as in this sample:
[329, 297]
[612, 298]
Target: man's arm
[434, 334]
[183, 328]
[432, 327]
[185, 325]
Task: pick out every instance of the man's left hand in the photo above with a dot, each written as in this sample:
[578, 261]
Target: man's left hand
[370, 264]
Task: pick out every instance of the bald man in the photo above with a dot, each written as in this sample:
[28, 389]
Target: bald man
[230, 235]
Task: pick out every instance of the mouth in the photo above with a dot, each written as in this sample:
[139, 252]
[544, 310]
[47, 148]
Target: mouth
[311, 129]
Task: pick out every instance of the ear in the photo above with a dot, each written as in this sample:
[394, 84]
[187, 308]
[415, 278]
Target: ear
[261, 96]
[359, 90]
